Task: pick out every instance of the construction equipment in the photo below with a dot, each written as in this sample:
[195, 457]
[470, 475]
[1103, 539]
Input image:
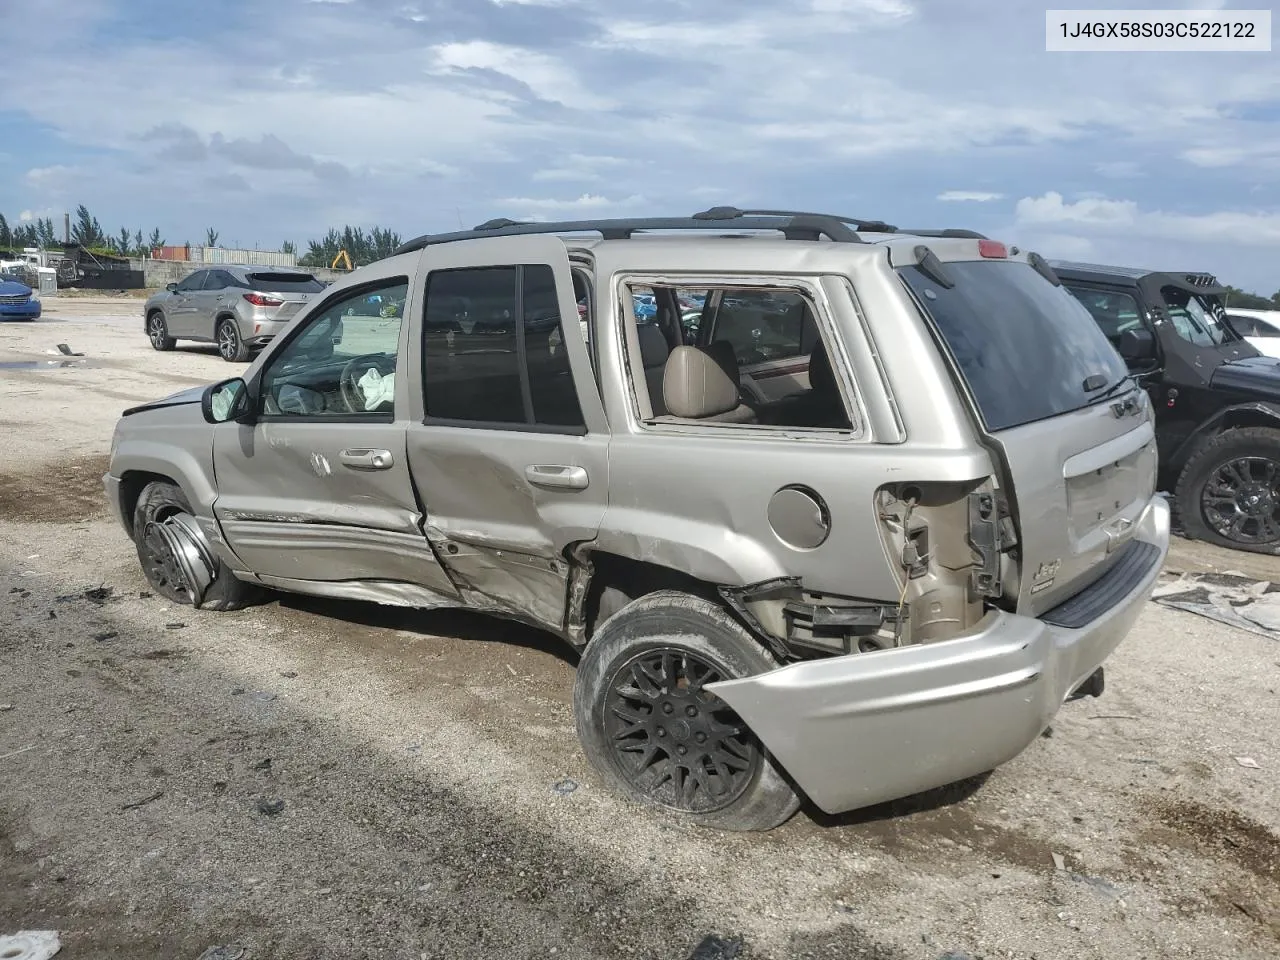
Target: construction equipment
[342, 257]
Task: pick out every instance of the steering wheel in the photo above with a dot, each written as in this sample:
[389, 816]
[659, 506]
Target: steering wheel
[352, 396]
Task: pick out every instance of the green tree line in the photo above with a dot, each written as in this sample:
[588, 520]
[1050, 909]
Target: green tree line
[363, 248]
[85, 230]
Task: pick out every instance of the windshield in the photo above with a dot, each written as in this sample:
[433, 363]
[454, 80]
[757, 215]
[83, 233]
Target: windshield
[1024, 347]
[1196, 317]
[285, 283]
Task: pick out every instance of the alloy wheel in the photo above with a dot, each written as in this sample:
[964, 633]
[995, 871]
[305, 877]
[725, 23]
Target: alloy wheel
[673, 741]
[1241, 500]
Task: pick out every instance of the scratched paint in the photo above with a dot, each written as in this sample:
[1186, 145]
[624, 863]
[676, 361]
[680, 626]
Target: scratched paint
[320, 465]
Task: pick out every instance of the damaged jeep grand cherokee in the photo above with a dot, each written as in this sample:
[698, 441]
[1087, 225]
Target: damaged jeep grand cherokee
[856, 533]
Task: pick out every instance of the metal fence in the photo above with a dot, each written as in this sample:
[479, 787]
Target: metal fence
[226, 257]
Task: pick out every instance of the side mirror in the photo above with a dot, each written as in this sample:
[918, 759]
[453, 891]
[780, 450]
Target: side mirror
[226, 401]
[171, 287]
[1137, 345]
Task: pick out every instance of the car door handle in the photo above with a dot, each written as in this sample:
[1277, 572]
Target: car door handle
[560, 476]
[367, 459]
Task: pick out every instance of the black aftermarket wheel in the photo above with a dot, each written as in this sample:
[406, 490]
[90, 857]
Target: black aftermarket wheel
[653, 731]
[1229, 491]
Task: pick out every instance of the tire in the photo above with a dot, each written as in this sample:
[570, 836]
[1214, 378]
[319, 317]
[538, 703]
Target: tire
[1229, 491]
[160, 501]
[663, 632]
[231, 347]
[158, 332]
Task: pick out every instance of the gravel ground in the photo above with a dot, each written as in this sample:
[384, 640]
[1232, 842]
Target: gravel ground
[313, 779]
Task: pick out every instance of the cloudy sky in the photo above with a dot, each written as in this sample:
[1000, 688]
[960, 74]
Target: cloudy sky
[274, 120]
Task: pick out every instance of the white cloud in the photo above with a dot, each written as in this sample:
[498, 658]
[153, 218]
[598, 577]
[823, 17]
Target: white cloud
[1093, 215]
[26, 216]
[974, 196]
[547, 77]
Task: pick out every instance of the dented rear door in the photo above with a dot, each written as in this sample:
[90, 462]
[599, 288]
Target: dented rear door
[511, 454]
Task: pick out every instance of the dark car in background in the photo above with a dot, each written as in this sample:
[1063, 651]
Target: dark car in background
[1216, 396]
[239, 308]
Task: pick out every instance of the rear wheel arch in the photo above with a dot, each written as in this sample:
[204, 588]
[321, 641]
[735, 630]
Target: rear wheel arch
[1232, 418]
[616, 580]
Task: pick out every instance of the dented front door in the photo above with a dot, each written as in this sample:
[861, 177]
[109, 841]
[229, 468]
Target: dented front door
[510, 455]
[319, 488]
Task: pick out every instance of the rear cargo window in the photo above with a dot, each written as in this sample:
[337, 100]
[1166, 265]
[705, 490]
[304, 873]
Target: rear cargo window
[1024, 347]
[285, 283]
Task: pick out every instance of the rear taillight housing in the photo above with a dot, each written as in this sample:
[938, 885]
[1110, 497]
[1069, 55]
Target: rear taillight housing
[258, 300]
[993, 249]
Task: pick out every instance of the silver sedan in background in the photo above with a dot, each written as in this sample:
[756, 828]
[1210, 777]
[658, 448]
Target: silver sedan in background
[238, 308]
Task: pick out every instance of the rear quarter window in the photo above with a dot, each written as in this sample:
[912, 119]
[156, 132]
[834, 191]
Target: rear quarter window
[1023, 346]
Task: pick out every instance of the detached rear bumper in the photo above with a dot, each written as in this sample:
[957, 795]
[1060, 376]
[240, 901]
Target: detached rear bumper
[866, 728]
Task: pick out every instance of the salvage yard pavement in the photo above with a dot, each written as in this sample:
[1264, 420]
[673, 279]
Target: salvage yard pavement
[318, 779]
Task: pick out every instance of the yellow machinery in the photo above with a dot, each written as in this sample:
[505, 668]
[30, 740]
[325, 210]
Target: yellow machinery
[342, 257]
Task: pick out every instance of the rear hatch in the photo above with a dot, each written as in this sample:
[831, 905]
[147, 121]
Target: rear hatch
[292, 290]
[1054, 401]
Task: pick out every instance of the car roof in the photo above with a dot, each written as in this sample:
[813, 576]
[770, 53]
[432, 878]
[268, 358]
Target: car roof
[1149, 280]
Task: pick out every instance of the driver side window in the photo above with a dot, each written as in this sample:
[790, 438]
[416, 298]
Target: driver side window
[342, 363]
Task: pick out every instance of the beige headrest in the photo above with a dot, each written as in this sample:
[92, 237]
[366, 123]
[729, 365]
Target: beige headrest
[695, 385]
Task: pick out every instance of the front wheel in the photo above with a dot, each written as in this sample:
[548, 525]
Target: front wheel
[176, 561]
[231, 346]
[1229, 491]
[652, 730]
[158, 332]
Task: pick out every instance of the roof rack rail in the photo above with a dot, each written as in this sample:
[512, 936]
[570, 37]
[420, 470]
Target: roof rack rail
[864, 226]
[794, 226]
[949, 233]
[733, 213]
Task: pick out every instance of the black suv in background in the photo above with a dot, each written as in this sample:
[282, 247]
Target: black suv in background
[1216, 398]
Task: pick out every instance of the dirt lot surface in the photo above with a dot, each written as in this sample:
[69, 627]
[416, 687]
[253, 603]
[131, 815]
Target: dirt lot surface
[315, 780]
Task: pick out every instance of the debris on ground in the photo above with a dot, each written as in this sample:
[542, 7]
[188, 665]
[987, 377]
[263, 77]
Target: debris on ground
[232, 951]
[1249, 762]
[1104, 887]
[30, 945]
[1230, 598]
[288, 674]
[106, 635]
[141, 803]
[565, 787]
[174, 626]
[1059, 863]
[264, 764]
[5, 707]
[270, 808]
[712, 947]
[66, 351]
[16, 752]
[99, 594]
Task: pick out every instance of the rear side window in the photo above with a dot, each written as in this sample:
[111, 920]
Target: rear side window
[493, 349]
[763, 325]
[1114, 312]
[1024, 347]
[284, 283]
